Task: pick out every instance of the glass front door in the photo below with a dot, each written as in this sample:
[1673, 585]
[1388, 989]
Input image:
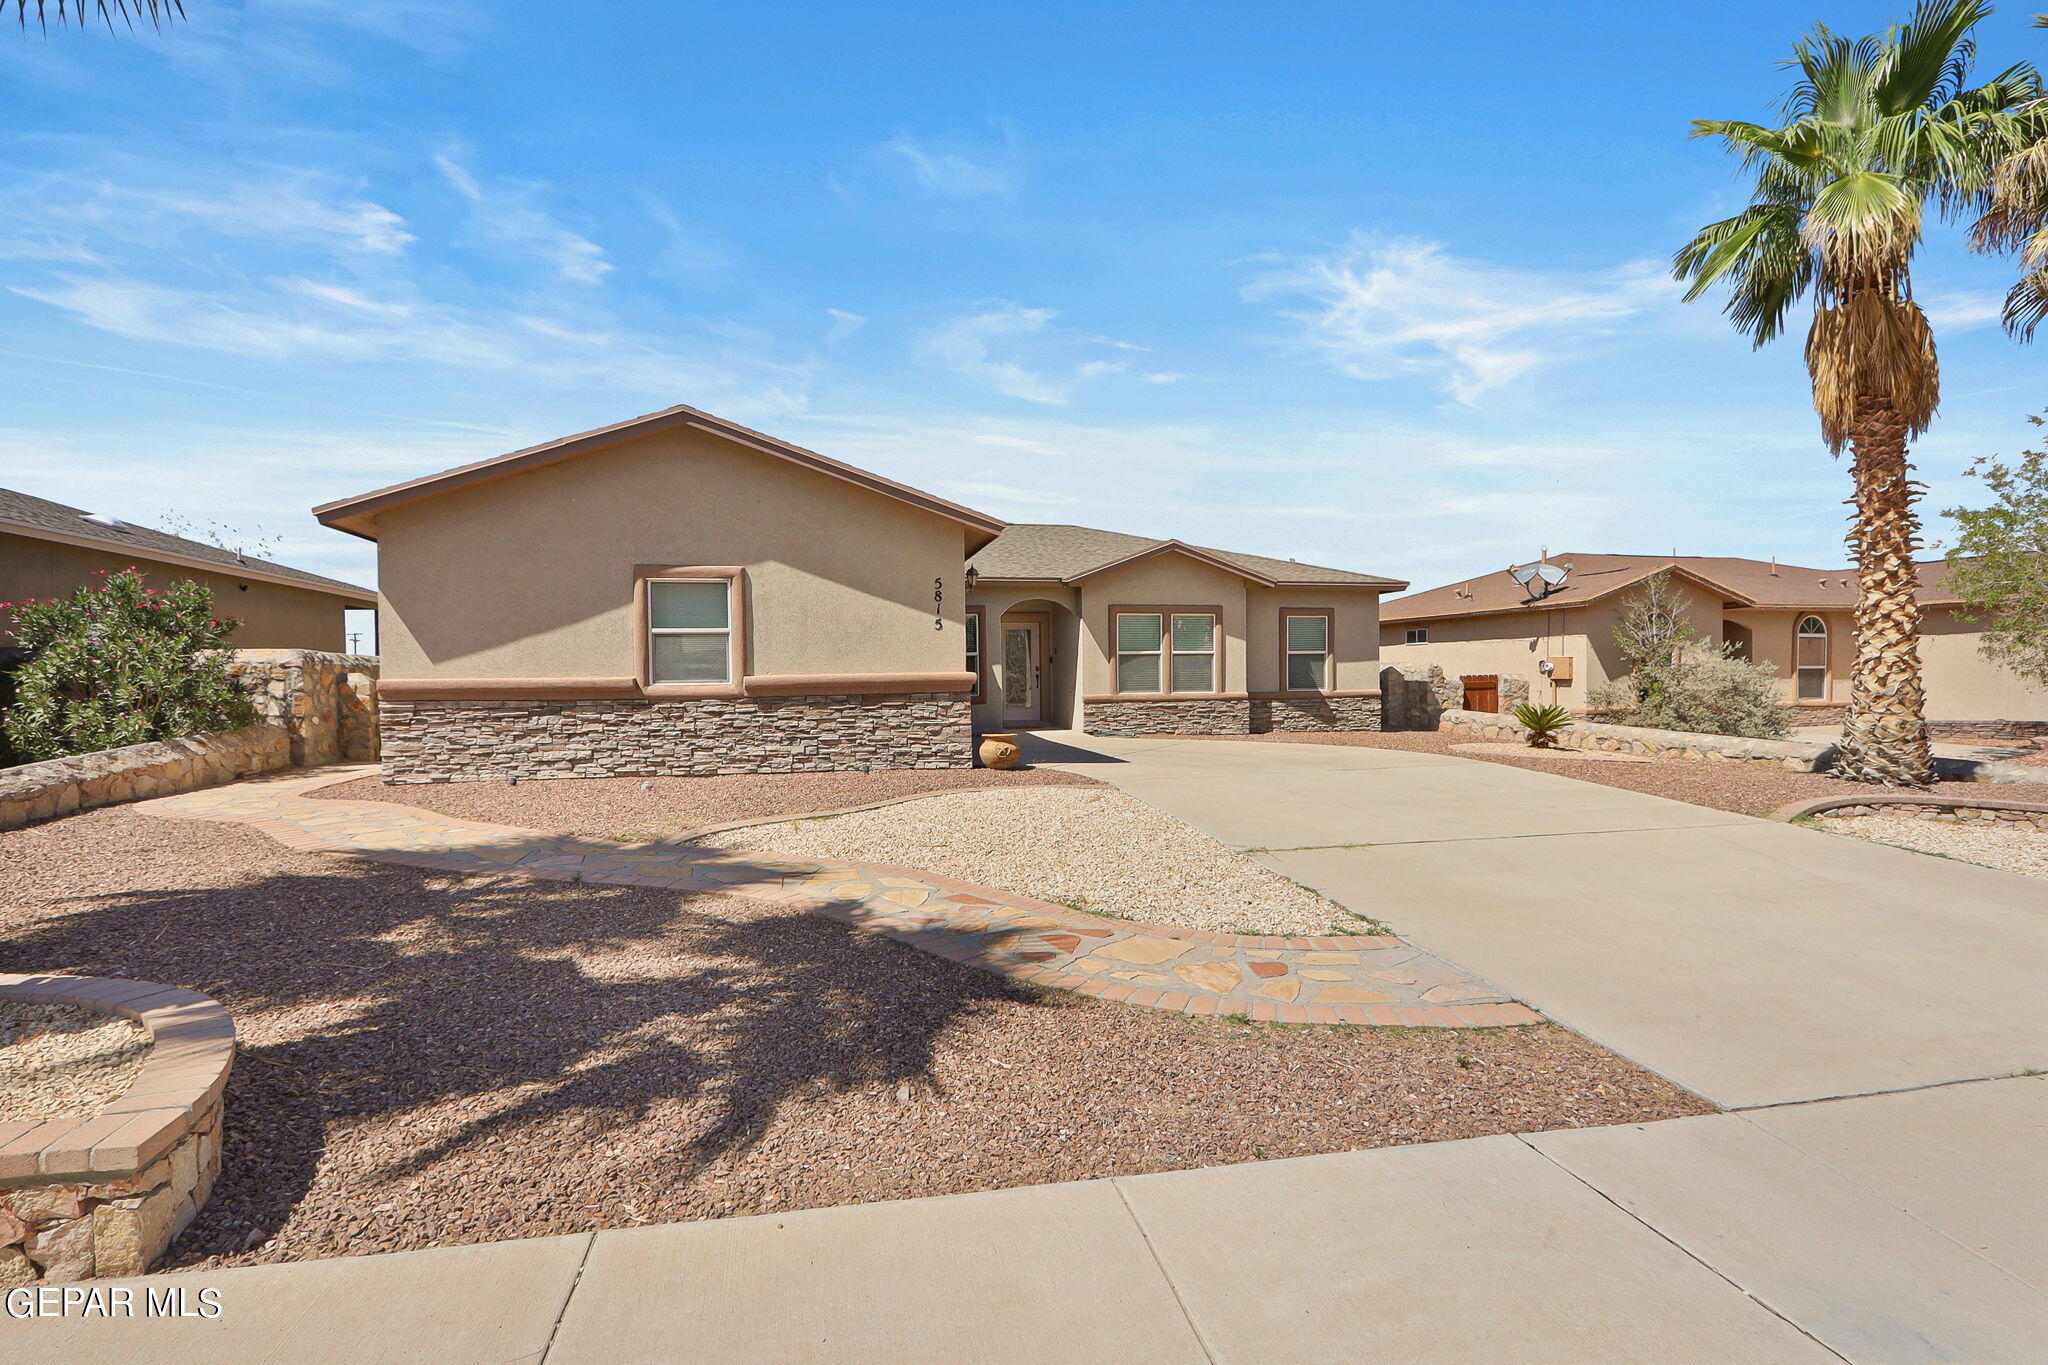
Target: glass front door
[1021, 681]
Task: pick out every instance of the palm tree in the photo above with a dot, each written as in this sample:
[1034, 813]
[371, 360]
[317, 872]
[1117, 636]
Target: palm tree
[1875, 130]
[156, 11]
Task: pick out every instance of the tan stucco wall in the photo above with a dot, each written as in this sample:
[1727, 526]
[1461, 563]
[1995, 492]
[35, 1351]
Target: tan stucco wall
[272, 616]
[1964, 685]
[1354, 641]
[1772, 634]
[1164, 580]
[1516, 643]
[531, 576]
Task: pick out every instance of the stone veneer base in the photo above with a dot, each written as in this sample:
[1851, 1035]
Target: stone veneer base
[1231, 715]
[481, 741]
[82, 1198]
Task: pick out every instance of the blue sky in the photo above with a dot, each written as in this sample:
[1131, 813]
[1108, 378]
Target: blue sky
[1375, 286]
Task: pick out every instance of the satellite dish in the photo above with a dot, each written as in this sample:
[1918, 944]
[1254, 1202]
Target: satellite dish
[1553, 574]
[112, 523]
[1525, 575]
[1549, 576]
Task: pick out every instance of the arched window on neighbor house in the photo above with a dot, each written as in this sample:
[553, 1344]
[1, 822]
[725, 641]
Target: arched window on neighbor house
[1810, 659]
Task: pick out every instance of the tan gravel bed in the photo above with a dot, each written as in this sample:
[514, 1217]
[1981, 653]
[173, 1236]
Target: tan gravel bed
[632, 808]
[1745, 788]
[2011, 848]
[1094, 849]
[426, 1059]
[64, 1061]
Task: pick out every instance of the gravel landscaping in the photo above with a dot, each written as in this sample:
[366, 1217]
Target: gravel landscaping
[1067, 846]
[61, 1061]
[1745, 788]
[2010, 848]
[632, 809]
[428, 1059]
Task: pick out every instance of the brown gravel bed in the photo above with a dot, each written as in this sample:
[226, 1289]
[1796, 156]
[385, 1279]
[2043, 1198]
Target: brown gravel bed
[65, 1061]
[429, 1060]
[1745, 788]
[633, 808]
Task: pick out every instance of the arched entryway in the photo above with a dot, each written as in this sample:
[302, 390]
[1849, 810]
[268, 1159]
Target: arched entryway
[1032, 666]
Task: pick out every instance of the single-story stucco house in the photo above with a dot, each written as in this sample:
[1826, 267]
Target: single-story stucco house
[679, 594]
[48, 550]
[1802, 621]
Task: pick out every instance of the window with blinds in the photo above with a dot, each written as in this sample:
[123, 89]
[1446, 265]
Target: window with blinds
[1307, 645]
[1166, 652]
[1810, 659]
[689, 628]
[1140, 643]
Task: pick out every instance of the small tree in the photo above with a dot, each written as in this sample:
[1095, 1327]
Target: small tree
[1999, 565]
[120, 663]
[1651, 636]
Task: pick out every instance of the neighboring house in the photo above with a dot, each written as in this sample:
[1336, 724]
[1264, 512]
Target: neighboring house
[48, 549]
[1801, 621]
[678, 594]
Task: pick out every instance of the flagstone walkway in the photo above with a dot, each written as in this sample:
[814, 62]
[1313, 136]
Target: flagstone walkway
[1340, 979]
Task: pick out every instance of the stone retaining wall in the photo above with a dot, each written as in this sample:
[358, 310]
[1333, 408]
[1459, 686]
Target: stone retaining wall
[62, 786]
[105, 1195]
[327, 703]
[1797, 755]
[1952, 815]
[478, 741]
[2030, 733]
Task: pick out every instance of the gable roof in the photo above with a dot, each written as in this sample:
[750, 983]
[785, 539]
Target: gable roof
[1741, 582]
[1053, 553]
[22, 514]
[357, 515]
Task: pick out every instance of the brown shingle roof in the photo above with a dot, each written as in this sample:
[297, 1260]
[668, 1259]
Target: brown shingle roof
[1059, 553]
[1749, 582]
[39, 518]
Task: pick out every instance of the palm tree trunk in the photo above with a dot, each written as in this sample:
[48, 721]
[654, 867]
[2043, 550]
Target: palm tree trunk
[1884, 736]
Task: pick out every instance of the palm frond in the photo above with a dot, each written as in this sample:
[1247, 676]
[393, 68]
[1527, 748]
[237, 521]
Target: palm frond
[1928, 58]
[82, 12]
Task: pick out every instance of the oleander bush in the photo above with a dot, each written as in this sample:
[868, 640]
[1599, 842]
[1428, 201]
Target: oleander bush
[119, 662]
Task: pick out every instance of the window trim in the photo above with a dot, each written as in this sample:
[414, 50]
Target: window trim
[1329, 615]
[1166, 611]
[1415, 635]
[980, 669]
[737, 613]
[1824, 667]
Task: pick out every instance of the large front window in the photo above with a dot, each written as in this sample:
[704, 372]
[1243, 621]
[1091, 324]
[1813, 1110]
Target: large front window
[689, 628]
[1166, 651]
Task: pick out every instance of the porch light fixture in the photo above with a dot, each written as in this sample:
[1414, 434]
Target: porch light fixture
[973, 576]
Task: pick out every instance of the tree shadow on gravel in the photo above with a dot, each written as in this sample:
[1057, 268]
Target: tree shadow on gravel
[378, 990]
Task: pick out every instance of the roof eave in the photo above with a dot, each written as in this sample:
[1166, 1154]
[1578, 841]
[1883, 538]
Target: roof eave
[327, 587]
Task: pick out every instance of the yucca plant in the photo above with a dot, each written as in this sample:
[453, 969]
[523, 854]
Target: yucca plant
[1877, 129]
[1544, 723]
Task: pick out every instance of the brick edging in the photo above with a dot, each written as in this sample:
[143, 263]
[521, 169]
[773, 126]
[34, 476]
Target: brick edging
[1796, 809]
[192, 1050]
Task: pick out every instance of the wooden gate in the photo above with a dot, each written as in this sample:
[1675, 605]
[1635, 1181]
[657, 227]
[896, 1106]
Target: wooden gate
[1482, 691]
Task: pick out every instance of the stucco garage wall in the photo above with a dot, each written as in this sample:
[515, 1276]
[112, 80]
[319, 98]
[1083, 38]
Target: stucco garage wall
[531, 576]
[1964, 685]
[272, 616]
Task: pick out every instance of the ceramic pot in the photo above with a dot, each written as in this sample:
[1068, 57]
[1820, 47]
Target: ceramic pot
[999, 751]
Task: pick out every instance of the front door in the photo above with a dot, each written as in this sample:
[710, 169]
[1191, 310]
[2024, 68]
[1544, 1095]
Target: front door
[1023, 690]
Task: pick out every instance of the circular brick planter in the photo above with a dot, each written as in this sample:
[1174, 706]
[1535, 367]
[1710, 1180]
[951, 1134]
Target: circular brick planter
[104, 1195]
[1955, 810]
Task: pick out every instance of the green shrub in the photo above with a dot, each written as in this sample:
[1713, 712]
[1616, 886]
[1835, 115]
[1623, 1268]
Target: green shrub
[1701, 690]
[1544, 723]
[121, 663]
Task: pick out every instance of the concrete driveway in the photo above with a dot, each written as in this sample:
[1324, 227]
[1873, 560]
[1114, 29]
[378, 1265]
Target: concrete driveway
[1754, 963]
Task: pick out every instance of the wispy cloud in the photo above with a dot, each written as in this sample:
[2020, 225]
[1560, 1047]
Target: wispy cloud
[844, 325]
[127, 199]
[1962, 310]
[505, 212]
[1163, 377]
[1381, 307]
[951, 166]
[969, 347]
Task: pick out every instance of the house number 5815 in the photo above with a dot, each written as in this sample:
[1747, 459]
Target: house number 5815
[938, 604]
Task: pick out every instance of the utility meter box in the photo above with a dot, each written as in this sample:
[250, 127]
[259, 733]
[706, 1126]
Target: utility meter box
[1561, 669]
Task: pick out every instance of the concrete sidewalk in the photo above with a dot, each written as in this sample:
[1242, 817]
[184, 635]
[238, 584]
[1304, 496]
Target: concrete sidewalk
[1887, 1229]
[1752, 962]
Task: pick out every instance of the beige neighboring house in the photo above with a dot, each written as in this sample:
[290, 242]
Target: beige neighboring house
[48, 549]
[1802, 621]
[678, 594]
